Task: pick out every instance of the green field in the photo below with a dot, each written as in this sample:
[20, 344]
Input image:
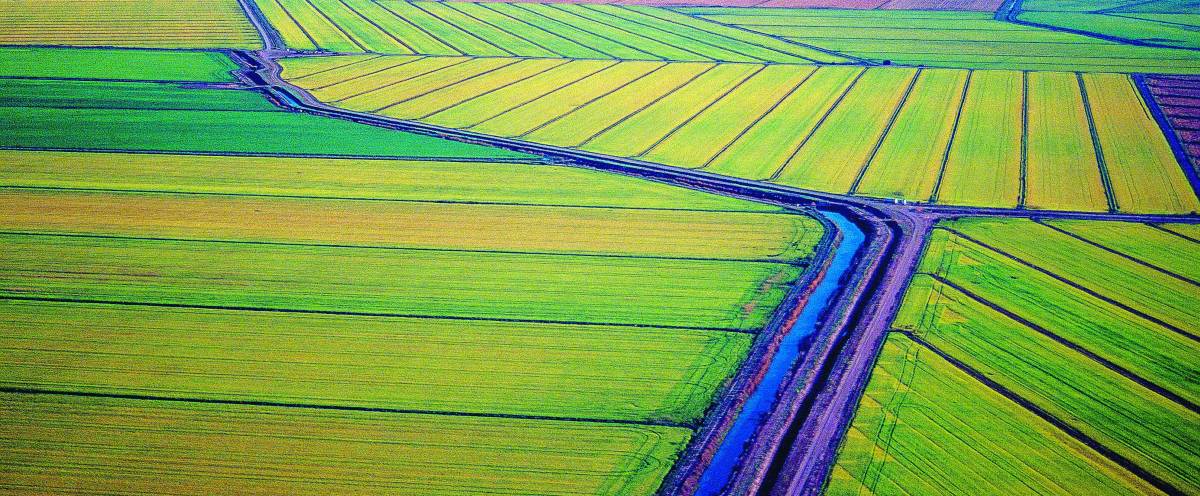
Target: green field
[969, 40]
[303, 324]
[1073, 317]
[134, 65]
[944, 136]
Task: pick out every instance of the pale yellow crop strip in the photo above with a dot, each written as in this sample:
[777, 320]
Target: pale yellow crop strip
[640, 131]
[837, 151]
[296, 69]
[128, 23]
[72, 443]
[292, 33]
[347, 74]
[1145, 176]
[909, 158]
[527, 117]
[702, 138]
[983, 168]
[425, 83]
[480, 109]
[1061, 169]
[660, 233]
[577, 126]
[436, 101]
[766, 146]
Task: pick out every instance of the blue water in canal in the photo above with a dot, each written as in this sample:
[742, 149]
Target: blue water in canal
[717, 476]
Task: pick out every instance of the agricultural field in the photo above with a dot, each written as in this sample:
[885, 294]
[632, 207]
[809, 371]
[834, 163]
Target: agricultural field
[1163, 23]
[1037, 338]
[1037, 140]
[1179, 100]
[957, 39]
[373, 289]
[522, 30]
[127, 23]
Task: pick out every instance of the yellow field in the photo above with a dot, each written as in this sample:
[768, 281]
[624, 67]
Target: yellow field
[984, 165]
[489, 105]
[1061, 169]
[428, 80]
[102, 446]
[431, 103]
[127, 23]
[1144, 173]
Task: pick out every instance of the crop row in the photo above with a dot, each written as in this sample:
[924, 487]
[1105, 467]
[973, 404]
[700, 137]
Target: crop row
[521, 30]
[133, 65]
[128, 23]
[957, 39]
[81, 445]
[1179, 99]
[1042, 140]
[1088, 325]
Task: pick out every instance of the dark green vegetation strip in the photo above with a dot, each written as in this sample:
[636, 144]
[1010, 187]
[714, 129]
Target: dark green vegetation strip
[100, 63]
[1020, 303]
[74, 94]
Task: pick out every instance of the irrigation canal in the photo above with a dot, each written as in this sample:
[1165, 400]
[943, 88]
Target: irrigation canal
[762, 400]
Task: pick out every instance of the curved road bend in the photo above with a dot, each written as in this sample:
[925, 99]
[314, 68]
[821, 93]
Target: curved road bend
[837, 373]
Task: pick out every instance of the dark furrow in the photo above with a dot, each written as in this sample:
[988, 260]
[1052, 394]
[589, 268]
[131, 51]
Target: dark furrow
[1040, 412]
[447, 85]
[318, 406]
[701, 111]
[817, 127]
[1024, 174]
[862, 171]
[962, 102]
[1121, 254]
[367, 314]
[1173, 233]
[758, 119]
[1076, 285]
[1105, 180]
[1108, 364]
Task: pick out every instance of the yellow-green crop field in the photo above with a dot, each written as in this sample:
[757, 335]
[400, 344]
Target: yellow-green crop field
[987, 138]
[1011, 326]
[560, 30]
[317, 319]
[127, 23]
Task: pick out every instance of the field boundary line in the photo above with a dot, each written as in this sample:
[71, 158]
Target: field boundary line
[702, 58]
[380, 28]
[410, 59]
[647, 12]
[406, 79]
[589, 139]
[319, 406]
[169, 239]
[1076, 347]
[1169, 131]
[854, 60]
[449, 84]
[1024, 165]
[1076, 285]
[703, 109]
[416, 5]
[294, 21]
[369, 58]
[452, 6]
[817, 126]
[1173, 233]
[494, 89]
[488, 7]
[560, 87]
[1119, 253]
[753, 59]
[465, 318]
[1105, 180]
[962, 102]
[338, 27]
[862, 170]
[759, 119]
[1048, 417]
[280, 155]
[420, 28]
[662, 65]
[519, 5]
[781, 211]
